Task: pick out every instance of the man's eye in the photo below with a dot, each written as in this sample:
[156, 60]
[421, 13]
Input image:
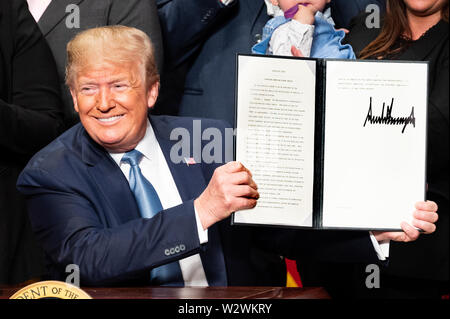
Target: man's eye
[87, 89]
[120, 86]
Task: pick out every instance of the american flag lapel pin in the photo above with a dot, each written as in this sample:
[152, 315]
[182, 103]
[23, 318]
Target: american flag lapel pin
[189, 161]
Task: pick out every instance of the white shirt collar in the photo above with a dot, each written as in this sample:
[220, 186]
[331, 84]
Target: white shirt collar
[146, 146]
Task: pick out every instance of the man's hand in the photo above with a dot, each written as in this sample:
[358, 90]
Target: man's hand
[231, 189]
[424, 218]
[305, 14]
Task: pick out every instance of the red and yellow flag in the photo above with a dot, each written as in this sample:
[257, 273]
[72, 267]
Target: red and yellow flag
[293, 277]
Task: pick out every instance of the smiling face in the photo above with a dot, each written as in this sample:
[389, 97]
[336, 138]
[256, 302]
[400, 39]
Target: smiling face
[423, 8]
[317, 5]
[112, 100]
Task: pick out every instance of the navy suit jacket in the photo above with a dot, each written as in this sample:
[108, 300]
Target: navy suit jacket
[83, 212]
[203, 85]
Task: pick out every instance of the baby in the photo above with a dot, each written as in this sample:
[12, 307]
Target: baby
[305, 25]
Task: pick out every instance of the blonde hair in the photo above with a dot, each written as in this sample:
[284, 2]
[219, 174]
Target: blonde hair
[118, 44]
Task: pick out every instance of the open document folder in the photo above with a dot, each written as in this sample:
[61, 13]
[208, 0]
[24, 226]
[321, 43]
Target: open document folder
[332, 143]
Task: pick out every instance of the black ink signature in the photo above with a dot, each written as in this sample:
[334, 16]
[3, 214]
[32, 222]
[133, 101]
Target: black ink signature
[387, 118]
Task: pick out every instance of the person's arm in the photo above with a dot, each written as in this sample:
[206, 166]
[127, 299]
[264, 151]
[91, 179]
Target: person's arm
[72, 228]
[32, 118]
[348, 246]
[185, 24]
[142, 15]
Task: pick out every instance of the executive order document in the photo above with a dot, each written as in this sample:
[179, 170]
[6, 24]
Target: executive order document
[369, 117]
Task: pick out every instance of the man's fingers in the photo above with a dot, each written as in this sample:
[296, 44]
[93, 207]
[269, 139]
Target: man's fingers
[410, 232]
[241, 178]
[427, 227]
[233, 167]
[244, 191]
[428, 206]
[245, 203]
[426, 216]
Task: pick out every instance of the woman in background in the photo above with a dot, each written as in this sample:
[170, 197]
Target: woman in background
[418, 30]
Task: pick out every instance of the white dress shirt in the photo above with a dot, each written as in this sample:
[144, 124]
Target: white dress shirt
[37, 8]
[155, 169]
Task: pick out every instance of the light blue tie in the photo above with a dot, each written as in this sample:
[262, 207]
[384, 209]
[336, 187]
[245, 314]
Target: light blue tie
[149, 204]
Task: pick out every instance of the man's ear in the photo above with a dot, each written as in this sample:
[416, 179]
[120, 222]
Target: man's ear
[74, 99]
[153, 92]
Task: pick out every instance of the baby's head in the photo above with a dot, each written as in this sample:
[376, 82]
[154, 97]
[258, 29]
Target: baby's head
[316, 5]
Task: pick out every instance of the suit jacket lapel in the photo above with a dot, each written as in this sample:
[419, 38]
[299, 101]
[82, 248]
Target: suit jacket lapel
[111, 183]
[188, 178]
[254, 8]
[55, 12]
[191, 183]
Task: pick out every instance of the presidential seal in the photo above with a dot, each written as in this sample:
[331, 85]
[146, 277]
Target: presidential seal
[50, 290]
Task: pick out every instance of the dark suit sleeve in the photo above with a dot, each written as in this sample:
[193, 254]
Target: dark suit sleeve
[320, 245]
[141, 15]
[33, 116]
[185, 24]
[72, 231]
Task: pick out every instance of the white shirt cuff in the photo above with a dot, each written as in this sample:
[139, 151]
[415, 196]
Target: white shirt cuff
[202, 233]
[381, 248]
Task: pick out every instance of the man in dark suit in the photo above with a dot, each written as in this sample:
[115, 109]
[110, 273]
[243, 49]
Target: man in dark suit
[233, 28]
[114, 196]
[61, 20]
[84, 211]
[30, 117]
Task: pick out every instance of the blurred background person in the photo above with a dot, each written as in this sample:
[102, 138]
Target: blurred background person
[30, 117]
[418, 30]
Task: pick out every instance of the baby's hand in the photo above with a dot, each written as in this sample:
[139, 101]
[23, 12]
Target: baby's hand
[305, 14]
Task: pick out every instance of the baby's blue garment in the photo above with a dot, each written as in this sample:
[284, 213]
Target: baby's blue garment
[327, 42]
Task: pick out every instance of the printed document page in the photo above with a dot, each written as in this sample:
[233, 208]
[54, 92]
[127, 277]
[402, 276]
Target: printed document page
[275, 137]
[375, 143]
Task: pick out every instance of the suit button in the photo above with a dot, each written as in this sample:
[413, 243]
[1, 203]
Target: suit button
[257, 37]
[167, 252]
[172, 251]
[182, 247]
[177, 249]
